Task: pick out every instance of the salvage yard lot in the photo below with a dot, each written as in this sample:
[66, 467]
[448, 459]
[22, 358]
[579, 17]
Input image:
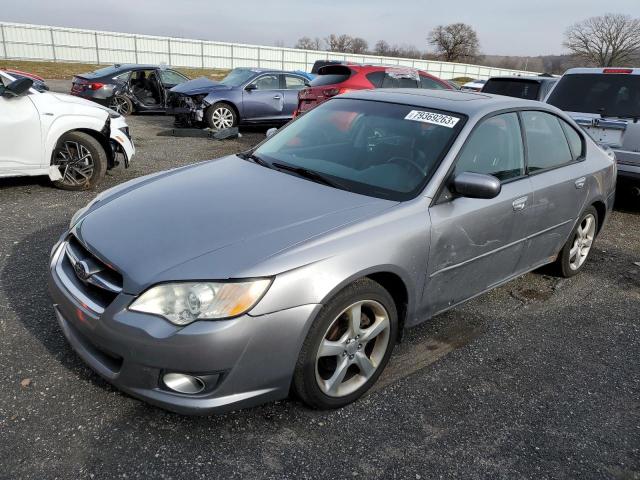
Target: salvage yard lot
[539, 378]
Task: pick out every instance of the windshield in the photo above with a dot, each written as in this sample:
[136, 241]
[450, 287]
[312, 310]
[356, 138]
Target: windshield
[526, 89]
[379, 149]
[238, 76]
[611, 95]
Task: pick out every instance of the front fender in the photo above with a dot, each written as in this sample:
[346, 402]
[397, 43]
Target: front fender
[67, 123]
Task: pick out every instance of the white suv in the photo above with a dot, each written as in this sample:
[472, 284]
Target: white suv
[70, 139]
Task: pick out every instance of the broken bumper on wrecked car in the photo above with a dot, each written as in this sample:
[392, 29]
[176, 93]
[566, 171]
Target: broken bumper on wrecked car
[187, 110]
[242, 361]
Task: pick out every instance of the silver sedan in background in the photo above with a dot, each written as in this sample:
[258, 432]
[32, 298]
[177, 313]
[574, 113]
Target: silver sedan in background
[299, 263]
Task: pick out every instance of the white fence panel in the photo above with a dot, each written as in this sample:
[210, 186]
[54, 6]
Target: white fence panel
[58, 44]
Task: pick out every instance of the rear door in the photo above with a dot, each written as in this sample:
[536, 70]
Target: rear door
[263, 98]
[478, 243]
[20, 134]
[292, 86]
[559, 183]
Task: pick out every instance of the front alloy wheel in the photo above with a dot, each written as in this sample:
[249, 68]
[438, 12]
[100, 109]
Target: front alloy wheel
[81, 161]
[220, 116]
[347, 347]
[352, 348]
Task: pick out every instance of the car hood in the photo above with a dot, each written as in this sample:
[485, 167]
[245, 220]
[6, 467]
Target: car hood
[198, 86]
[213, 220]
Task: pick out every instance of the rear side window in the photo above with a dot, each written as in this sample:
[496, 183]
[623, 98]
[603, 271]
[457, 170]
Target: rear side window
[376, 78]
[426, 82]
[494, 148]
[518, 88]
[330, 75]
[611, 95]
[575, 140]
[293, 83]
[547, 145]
[398, 82]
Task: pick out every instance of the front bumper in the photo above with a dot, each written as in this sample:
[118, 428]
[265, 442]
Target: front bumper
[248, 360]
[121, 138]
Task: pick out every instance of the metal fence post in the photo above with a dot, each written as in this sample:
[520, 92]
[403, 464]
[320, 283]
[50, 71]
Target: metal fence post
[202, 54]
[135, 47]
[169, 49]
[282, 59]
[4, 45]
[232, 56]
[259, 58]
[95, 36]
[53, 45]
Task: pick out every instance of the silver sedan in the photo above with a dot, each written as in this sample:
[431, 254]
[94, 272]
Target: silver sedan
[297, 265]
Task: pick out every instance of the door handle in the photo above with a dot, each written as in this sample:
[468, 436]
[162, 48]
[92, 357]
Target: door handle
[277, 97]
[519, 203]
[580, 182]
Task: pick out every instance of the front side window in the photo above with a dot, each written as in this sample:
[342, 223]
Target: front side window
[294, 83]
[494, 148]
[169, 77]
[379, 149]
[267, 82]
[547, 145]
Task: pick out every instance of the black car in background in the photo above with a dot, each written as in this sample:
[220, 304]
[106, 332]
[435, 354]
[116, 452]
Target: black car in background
[529, 88]
[129, 88]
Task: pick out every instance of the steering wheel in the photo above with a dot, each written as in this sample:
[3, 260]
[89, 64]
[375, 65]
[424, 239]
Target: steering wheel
[407, 161]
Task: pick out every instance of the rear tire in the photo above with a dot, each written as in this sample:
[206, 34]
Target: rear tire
[81, 160]
[347, 347]
[121, 104]
[574, 254]
[221, 115]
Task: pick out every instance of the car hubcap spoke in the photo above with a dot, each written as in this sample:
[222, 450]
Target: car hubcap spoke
[352, 348]
[75, 163]
[585, 233]
[222, 118]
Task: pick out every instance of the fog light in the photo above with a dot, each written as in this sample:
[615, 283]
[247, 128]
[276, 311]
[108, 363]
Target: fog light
[182, 383]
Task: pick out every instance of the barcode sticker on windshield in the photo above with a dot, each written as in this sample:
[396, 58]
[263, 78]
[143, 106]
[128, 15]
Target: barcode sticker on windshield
[434, 118]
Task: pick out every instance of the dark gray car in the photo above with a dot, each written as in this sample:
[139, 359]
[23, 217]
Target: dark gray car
[299, 264]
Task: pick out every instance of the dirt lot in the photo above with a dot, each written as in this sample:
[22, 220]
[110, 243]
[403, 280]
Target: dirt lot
[538, 379]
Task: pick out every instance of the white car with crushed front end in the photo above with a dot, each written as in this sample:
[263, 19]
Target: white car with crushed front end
[70, 139]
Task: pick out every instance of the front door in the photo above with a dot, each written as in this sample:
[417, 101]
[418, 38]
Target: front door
[263, 99]
[20, 134]
[477, 243]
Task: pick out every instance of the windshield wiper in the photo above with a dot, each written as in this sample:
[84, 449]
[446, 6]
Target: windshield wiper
[254, 158]
[309, 174]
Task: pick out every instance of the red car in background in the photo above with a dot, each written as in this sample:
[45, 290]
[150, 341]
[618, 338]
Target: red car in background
[333, 80]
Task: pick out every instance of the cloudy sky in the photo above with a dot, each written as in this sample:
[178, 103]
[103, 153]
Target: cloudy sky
[505, 27]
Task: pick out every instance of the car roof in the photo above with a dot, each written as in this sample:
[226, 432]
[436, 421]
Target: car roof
[467, 103]
[604, 70]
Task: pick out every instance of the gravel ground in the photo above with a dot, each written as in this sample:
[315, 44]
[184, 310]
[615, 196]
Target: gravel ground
[537, 379]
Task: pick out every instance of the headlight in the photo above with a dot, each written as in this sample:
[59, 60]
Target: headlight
[186, 302]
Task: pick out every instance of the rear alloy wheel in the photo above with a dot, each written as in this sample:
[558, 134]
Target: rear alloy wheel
[81, 160]
[121, 104]
[347, 347]
[575, 252]
[220, 116]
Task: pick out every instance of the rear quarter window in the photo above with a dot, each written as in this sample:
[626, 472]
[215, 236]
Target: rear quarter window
[426, 82]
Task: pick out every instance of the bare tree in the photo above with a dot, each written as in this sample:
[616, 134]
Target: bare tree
[359, 45]
[382, 48]
[339, 43]
[455, 42]
[307, 43]
[606, 41]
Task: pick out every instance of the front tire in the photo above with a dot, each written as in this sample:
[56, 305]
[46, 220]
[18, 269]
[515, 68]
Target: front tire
[347, 347]
[574, 254]
[221, 115]
[81, 160]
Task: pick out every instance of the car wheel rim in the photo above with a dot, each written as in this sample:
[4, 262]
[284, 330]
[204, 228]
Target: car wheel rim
[582, 242]
[352, 348]
[75, 163]
[120, 105]
[222, 118]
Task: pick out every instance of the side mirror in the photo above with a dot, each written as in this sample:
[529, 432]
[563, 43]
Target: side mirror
[271, 132]
[476, 185]
[251, 87]
[17, 87]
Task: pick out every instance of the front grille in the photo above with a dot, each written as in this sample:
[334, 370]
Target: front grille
[99, 282]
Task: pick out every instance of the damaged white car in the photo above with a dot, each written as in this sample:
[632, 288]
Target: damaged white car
[70, 139]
